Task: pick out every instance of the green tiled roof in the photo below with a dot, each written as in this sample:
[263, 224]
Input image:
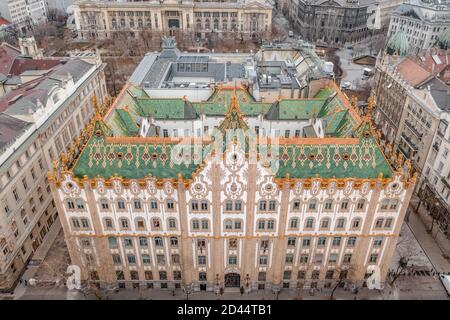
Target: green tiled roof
[323, 93]
[218, 103]
[134, 158]
[365, 160]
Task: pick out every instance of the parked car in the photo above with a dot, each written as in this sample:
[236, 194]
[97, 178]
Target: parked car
[291, 33]
[346, 85]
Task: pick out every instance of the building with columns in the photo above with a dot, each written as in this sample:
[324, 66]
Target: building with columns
[238, 18]
[231, 192]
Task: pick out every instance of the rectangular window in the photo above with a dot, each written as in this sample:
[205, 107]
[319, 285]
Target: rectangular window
[202, 260]
[263, 260]
[232, 260]
[351, 241]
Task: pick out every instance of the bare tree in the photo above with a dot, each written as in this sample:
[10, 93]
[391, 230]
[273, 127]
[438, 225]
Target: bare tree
[345, 274]
[406, 252]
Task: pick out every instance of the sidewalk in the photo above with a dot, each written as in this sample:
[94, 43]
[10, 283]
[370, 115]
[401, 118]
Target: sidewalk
[427, 243]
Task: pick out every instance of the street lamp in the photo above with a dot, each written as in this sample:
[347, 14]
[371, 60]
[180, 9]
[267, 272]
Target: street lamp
[187, 290]
[247, 282]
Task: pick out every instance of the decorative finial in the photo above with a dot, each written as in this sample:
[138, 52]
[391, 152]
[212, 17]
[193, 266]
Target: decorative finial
[371, 103]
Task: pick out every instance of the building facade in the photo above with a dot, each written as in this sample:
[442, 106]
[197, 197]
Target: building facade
[148, 198]
[337, 22]
[411, 98]
[39, 120]
[105, 19]
[422, 21]
[24, 13]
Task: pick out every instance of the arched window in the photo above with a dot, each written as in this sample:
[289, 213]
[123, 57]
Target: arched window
[207, 25]
[172, 223]
[340, 223]
[156, 223]
[124, 223]
[309, 223]
[195, 224]
[312, 205]
[384, 204]
[228, 224]
[296, 205]
[137, 204]
[122, 23]
[360, 205]
[356, 223]
[153, 204]
[345, 204]
[140, 224]
[238, 224]
[216, 24]
[204, 206]
[224, 25]
[325, 223]
[108, 223]
[121, 204]
[140, 23]
[75, 223]
[270, 224]
[328, 205]
[199, 24]
[393, 204]
[104, 204]
[228, 205]
[70, 204]
[261, 224]
[205, 224]
[159, 242]
[114, 23]
[293, 224]
[80, 204]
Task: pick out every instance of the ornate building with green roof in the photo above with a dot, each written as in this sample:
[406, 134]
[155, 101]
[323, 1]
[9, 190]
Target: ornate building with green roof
[231, 192]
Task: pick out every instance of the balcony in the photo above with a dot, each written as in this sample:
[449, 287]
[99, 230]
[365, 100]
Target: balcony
[413, 129]
[410, 142]
[436, 147]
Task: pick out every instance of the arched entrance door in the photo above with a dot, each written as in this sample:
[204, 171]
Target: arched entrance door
[232, 280]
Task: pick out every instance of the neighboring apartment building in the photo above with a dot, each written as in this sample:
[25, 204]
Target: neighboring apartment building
[339, 21]
[237, 18]
[436, 174]
[38, 121]
[150, 201]
[24, 13]
[61, 5]
[408, 91]
[423, 21]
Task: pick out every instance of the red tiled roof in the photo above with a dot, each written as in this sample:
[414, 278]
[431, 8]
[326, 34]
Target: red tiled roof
[21, 65]
[7, 56]
[429, 62]
[412, 72]
[4, 22]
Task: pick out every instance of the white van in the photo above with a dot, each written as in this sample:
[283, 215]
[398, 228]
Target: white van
[445, 279]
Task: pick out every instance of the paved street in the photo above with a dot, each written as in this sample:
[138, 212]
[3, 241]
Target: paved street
[422, 284]
[352, 72]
